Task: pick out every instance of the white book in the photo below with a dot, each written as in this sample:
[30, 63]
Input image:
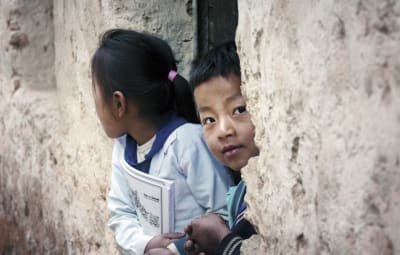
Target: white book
[153, 198]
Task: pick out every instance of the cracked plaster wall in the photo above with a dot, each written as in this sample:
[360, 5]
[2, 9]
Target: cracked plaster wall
[323, 83]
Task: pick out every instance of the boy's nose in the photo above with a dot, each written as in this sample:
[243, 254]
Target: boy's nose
[226, 127]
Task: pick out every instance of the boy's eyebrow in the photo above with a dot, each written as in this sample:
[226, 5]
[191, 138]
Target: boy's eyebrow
[234, 97]
[204, 109]
[228, 100]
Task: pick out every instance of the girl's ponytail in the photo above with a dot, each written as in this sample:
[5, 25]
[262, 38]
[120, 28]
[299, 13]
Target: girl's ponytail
[183, 100]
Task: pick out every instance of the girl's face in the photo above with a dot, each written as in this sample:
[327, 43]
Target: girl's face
[107, 115]
[228, 129]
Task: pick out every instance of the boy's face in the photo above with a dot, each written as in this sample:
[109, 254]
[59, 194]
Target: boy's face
[228, 129]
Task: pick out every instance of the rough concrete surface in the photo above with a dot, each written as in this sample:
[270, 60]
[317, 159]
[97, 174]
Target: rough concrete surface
[54, 155]
[323, 83]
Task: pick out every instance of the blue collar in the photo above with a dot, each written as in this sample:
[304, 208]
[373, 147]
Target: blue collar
[171, 122]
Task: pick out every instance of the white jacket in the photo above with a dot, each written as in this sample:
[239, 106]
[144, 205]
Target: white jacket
[201, 184]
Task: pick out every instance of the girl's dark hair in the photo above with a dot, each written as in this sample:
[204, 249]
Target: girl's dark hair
[222, 60]
[138, 64]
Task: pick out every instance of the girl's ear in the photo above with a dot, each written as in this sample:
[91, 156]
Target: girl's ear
[119, 104]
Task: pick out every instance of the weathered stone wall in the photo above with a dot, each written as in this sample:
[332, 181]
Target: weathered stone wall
[54, 155]
[323, 82]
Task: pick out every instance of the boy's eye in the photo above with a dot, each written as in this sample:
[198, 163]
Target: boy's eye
[207, 120]
[239, 109]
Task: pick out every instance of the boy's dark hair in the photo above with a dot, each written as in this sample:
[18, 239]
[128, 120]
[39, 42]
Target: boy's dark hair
[138, 65]
[223, 61]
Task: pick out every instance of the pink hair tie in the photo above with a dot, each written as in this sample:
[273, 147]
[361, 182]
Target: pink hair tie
[171, 75]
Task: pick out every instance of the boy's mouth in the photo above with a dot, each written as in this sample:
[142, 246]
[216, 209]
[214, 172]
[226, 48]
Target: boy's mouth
[230, 150]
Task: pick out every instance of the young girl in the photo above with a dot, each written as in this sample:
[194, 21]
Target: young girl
[143, 103]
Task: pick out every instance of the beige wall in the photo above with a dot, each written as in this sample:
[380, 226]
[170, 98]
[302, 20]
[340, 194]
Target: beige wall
[323, 81]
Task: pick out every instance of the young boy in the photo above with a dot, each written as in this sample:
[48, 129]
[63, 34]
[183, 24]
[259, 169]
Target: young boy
[229, 134]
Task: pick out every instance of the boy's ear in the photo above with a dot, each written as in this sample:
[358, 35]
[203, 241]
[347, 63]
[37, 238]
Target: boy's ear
[119, 104]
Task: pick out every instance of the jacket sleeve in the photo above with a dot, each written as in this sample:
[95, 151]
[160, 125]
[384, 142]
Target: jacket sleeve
[123, 219]
[230, 245]
[207, 179]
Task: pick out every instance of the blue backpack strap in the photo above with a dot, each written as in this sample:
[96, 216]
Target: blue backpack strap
[237, 200]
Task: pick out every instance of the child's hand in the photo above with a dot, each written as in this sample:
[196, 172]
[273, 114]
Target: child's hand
[191, 248]
[162, 241]
[205, 233]
[159, 251]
